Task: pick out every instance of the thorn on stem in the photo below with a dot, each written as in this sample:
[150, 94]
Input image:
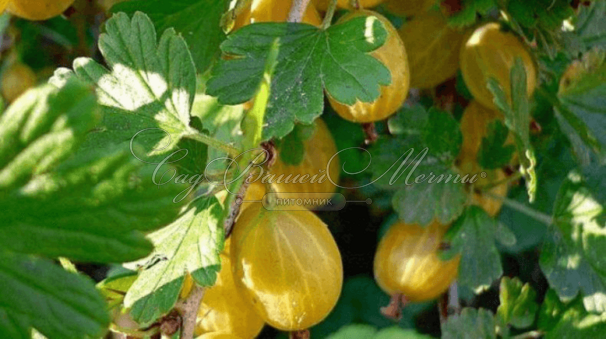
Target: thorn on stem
[271, 153]
[301, 334]
[370, 133]
[393, 310]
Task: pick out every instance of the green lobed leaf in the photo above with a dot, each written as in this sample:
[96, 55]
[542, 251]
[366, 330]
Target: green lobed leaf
[470, 324]
[553, 310]
[147, 94]
[589, 29]
[192, 245]
[494, 153]
[222, 123]
[93, 207]
[114, 288]
[572, 259]
[473, 237]
[418, 164]
[196, 20]
[517, 118]
[469, 14]
[542, 14]
[39, 294]
[517, 303]
[310, 61]
[292, 147]
[582, 95]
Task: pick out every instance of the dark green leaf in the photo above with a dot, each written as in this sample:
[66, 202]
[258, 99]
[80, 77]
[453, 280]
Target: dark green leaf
[573, 258]
[292, 147]
[494, 153]
[553, 310]
[309, 61]
[359, 331]
[582, 95]
[518, 306]
[39, 294]
[196, 20]
[473, 236]
[148, 94]
[470, 324]
[469, 14]
[543, 14]
[192, 245]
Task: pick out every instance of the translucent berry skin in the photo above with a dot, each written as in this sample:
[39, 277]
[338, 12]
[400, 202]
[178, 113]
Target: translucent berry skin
[407, 262]
[492, 206]
[393, 55]
[225, 309]
[433, 49]
[288, 264]
[409, 7]
[490, 52]
[275, 11]
[16, 80]
[37, 10]
[474, 127]
[320, 148]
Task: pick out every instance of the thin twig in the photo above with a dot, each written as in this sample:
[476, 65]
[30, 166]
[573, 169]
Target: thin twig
[189, 311]
[297, 10]
[330, 12]
[235, 207]
[212, 142]
[454, 304]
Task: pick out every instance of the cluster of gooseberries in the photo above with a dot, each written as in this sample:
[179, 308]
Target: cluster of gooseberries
[283, 268]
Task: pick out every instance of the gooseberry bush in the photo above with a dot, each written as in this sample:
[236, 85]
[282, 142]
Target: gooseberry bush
[302, 168]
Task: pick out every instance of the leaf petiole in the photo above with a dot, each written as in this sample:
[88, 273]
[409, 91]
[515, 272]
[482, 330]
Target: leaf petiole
[212, 142]
[539, 216]
[330, 12]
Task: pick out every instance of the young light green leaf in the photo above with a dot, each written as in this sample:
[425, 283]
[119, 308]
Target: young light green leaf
[586, 326]
[517, 118]
[89, 207]
[310, 61]
[196, 20]
[114, 288]
[473, 237]
[39, 294]
[93, 207]
[191, 245]
[518, 306]
[222, 123]
[573, 258]
[471, 323]
[494, 153]
[148, 92]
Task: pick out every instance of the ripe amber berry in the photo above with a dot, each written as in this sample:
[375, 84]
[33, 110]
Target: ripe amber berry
[433, 49]
[409, 7]
[274, 11]
[474, 127]
[407, 262]
[347, 4]
[320, 148]
[225, 309]
[490, 52]
[17, 79]
[491, 205]
[288, 265]
[38, 9]
[393, 55]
